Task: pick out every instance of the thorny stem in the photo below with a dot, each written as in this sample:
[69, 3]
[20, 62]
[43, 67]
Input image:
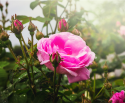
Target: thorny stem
[32, 58]
[24, 54]
[25, 45]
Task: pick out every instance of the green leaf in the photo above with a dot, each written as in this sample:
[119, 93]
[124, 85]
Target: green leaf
[12, 66]
[21, 17]
[107, 93]
[119, 88]
[34, 4]
[41, 19]
[119, 82]
[61, 5]
[8, 28]
[73, 97]
[3, 77]
[3, 64]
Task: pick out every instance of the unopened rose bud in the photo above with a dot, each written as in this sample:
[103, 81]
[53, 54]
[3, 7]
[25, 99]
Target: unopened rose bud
[6, 11]
[55, 59]
[39, 35]
[16, 27]
[62, 25]
[94, 65]
[105, 67]
[3, 16]
[4, 36]
[7, 3]
[108, 85]
[1, 28]
[29, 42]
[31, 28]
[76, 32]
[1, 7]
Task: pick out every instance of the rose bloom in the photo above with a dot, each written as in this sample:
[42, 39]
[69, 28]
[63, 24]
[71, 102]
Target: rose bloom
[118, 97]
[76, 56]
[122, 30]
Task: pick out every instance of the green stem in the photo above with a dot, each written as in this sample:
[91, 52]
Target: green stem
[58, 85]
[47, 29]
[54, 78]
[25, 45]
[94, 84]
[32, 58]
[98, 93]
[51, 27]
[64, 9]
[24, 54]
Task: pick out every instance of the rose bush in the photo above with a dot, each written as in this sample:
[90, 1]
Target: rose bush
[118, 97]
[72, 49]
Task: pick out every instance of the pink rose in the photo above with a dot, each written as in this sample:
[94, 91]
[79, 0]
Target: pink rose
[72, 49]
[118, 97]
[122, 30]
[62, 25]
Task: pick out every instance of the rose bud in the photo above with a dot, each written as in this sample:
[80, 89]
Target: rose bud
[39, 35]
[29, 42]
[76, 32]
[1, 7]
[16, 26]
[31, 28]
[3, 16]
[6, 11]
[7, 3]
[4, 36]
[62, 25]
[55, 59]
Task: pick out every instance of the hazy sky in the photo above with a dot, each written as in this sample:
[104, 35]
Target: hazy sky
[21, 7]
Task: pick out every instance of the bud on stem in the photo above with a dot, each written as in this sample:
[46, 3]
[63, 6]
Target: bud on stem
[31, 28]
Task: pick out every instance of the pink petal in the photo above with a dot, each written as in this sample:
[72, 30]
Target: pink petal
[83, 74]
